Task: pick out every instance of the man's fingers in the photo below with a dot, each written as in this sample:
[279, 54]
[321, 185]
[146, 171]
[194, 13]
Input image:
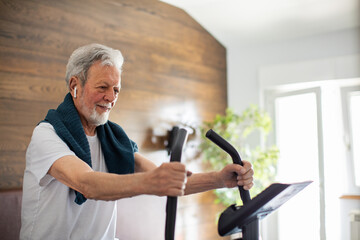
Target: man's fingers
[247, 165]
[241, 170]
[176, 192]
[248, 183]
[235, 174]
[247, 175]
[176, 188]
[176, 166]
[175, 175]
[248, 186]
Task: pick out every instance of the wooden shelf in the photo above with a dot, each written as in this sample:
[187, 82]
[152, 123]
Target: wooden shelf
[353, 197]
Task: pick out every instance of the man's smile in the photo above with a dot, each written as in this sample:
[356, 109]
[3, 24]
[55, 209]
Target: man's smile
[104, 107]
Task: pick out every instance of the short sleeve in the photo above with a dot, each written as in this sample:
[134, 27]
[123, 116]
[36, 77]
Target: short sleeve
[44, 149]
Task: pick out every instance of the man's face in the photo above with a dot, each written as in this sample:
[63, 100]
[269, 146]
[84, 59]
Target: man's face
[99, 94]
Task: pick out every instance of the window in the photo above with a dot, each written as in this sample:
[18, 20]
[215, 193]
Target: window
[318, 133]
[298, 136]
[351, 114]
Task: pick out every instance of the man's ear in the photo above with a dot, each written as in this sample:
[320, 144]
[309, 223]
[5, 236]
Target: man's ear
[73, 83]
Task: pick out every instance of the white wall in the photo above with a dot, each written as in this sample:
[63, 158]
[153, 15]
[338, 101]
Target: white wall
[244, 62]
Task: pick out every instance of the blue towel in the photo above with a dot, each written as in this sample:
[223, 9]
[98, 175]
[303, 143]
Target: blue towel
[117, 148]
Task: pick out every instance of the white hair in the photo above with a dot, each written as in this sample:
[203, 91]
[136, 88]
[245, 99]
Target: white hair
[84, 57]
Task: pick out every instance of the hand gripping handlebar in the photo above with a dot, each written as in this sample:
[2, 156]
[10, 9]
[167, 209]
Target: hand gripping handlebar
[180, 136]
[227, 147]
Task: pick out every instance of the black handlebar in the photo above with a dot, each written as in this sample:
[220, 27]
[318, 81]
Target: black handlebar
[227, 147]
[180, 136]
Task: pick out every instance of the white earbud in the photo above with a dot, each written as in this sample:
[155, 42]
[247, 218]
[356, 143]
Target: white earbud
[75, 92]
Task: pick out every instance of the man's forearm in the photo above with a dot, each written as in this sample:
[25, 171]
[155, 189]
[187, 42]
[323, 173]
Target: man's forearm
[201, 182]
[105, 186]
[165, 180]
[77, 175]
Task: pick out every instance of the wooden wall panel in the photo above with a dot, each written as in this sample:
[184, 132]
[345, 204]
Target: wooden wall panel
[173, 68]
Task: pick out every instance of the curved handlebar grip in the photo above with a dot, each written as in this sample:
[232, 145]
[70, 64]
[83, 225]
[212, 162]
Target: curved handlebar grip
[227, 147]
[224, 145]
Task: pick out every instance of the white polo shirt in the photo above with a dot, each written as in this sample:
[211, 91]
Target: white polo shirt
[48, 207]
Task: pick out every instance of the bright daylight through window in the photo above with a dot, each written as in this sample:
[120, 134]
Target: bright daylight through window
[318, 133]
[355, 127]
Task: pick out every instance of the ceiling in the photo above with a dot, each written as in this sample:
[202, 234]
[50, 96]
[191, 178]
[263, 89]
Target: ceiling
[257, 21]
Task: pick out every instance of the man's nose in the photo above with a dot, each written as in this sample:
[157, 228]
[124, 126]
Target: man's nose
[110, 96]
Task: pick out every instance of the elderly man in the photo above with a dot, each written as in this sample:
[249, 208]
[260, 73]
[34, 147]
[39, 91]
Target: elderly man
[78, 163]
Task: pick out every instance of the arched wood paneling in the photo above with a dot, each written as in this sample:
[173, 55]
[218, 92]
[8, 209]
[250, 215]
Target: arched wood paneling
[170, 62]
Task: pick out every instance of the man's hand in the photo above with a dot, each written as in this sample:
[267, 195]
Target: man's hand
[167, 180]
[234, 175]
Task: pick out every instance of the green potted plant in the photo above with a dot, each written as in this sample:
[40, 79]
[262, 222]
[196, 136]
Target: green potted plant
[236, 129]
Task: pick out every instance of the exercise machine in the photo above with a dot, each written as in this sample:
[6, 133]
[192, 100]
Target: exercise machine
[246, 218]
[234, 219]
